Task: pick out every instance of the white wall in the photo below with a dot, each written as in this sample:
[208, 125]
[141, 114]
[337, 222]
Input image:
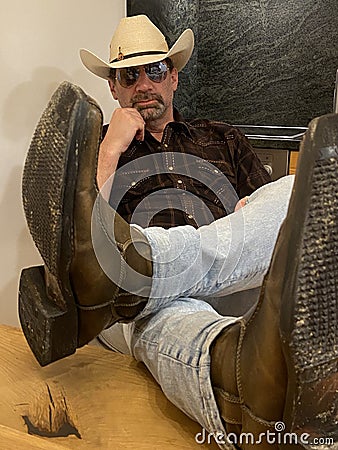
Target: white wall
[39, 47]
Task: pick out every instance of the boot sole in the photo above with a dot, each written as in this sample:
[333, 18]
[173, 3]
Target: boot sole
[48, 312]
[309, 324]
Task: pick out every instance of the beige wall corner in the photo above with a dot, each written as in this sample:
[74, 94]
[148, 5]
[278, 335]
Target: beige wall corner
[40, 42]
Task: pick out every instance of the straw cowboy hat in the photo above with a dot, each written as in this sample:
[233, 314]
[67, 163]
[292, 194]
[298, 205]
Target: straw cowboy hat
[138, 41]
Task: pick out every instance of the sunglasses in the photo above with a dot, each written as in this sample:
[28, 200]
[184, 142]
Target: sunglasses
[156, 72]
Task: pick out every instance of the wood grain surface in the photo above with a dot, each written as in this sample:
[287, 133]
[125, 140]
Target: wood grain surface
[95, 399]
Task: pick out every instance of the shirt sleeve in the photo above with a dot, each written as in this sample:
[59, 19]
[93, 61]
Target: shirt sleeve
[251, 173]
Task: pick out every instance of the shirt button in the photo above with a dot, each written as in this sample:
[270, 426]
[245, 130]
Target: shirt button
[179, 181]
[166, 145]
[170, 168]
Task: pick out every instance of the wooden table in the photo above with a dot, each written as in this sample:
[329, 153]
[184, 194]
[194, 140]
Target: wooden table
[95, 399]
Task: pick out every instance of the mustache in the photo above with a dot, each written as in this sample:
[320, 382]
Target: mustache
[145, 97]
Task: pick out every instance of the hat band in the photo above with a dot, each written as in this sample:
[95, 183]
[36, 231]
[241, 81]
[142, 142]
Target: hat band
[133, 55]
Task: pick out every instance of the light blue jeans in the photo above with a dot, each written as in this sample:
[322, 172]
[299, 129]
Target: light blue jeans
[173, 334]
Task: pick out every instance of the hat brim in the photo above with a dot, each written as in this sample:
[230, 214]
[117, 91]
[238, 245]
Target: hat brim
[180, 54]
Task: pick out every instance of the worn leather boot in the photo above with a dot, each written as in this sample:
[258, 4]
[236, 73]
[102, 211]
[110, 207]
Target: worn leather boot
[274, 373]
[71, 299]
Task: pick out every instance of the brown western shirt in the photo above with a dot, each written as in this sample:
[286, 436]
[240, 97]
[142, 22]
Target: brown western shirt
[193, 176]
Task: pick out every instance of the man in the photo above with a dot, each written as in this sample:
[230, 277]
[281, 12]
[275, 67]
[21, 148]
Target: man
[143, 76]
[233, 375]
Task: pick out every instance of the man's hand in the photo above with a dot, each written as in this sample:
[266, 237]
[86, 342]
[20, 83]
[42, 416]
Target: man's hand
[125, 125]
[242, 202]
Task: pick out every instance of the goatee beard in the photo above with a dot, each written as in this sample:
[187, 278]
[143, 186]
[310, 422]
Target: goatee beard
[149, 113]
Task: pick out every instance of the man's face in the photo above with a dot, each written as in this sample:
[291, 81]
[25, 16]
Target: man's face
[152, 99]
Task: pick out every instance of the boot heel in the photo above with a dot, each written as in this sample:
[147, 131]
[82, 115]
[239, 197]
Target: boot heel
[50, 330]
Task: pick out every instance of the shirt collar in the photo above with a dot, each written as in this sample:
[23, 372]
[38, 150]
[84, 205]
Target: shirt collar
[180, 122]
